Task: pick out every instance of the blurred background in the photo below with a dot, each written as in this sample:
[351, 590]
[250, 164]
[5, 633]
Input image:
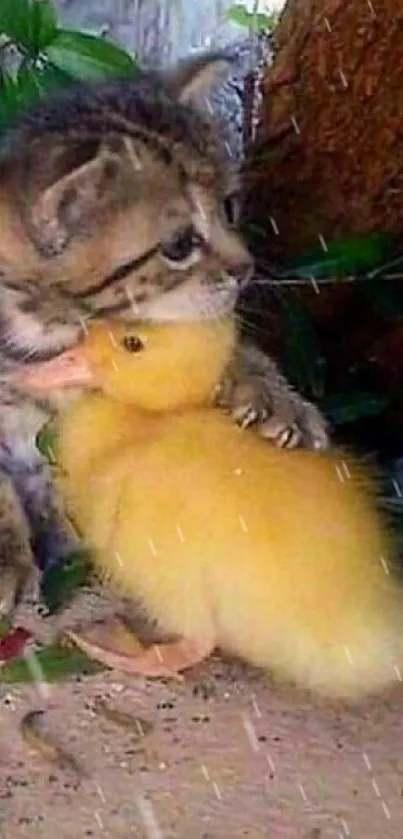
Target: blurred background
[160, 31]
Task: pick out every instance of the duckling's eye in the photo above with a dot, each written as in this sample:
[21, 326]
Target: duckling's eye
[132, 343]
[182, 245]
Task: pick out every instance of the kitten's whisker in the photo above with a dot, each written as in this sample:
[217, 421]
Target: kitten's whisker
[243, 321]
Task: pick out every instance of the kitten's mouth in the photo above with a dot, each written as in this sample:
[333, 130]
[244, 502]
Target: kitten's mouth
[70, 369]
[192, 302]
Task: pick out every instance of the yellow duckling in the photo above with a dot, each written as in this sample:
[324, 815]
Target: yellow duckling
[281, 559]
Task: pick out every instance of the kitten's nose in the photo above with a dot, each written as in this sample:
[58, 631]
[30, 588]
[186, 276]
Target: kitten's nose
[241, 271]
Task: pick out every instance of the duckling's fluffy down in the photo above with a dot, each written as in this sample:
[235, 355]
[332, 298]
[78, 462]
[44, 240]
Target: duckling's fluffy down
[277, 557]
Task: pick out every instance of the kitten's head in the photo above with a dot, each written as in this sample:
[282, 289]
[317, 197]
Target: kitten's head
[114, 202]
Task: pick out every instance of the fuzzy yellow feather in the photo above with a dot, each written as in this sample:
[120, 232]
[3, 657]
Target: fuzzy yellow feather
[280, 558]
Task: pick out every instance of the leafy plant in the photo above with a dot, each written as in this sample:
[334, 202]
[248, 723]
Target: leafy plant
[254, 21]
[61, 581]
[357, 255]
[37, 55]
[56, 663]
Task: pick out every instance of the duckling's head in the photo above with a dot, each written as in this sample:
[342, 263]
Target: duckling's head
[157, 367]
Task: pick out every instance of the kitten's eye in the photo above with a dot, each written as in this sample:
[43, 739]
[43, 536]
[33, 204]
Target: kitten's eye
[231, 207]
[182, 245]
[132, 343]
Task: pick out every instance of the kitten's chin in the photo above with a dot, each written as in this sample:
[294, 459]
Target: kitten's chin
[28, 340]
[191, 302]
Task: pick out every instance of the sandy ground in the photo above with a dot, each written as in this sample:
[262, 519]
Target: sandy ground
[228, 755]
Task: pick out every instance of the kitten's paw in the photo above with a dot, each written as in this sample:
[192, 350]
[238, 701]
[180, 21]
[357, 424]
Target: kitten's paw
[308, 429]
[8, 592]
[242, 401]
[289, 421]
[255, 393]
[17, 583]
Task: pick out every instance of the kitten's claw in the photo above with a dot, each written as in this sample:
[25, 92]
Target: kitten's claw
[246, 415]
[255, 394]
[297, 423]
[312, 426]
[309, 429]
[284, 436]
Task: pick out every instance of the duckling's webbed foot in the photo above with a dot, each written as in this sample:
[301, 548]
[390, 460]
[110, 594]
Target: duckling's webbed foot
[173, 657]
[165, 659]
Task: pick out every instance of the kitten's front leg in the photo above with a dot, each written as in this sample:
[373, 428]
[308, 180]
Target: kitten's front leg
[52, 534]
[18, 574]
[255, 392]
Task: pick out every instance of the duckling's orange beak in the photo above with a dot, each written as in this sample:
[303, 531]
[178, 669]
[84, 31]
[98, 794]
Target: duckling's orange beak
[70, 369]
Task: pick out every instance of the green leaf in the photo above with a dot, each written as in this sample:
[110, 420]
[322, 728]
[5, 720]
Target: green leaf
[29, 85]
[9, 99]
[32, 24]
[303, 360]
[44, 23]
[51, 78]
[46, 441]
[341, 259]
[343, 408]
[55, 662]
[85, 56]
[61, 581]
[32, 83]
[251, 20]
[15, 20]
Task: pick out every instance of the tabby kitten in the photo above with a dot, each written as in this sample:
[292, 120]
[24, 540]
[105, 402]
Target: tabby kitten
[112, 203]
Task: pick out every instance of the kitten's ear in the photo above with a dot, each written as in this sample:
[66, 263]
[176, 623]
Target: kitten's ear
[194, 77]
[63, 208]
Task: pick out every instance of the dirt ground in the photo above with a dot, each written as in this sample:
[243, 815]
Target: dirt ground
[227, 755]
